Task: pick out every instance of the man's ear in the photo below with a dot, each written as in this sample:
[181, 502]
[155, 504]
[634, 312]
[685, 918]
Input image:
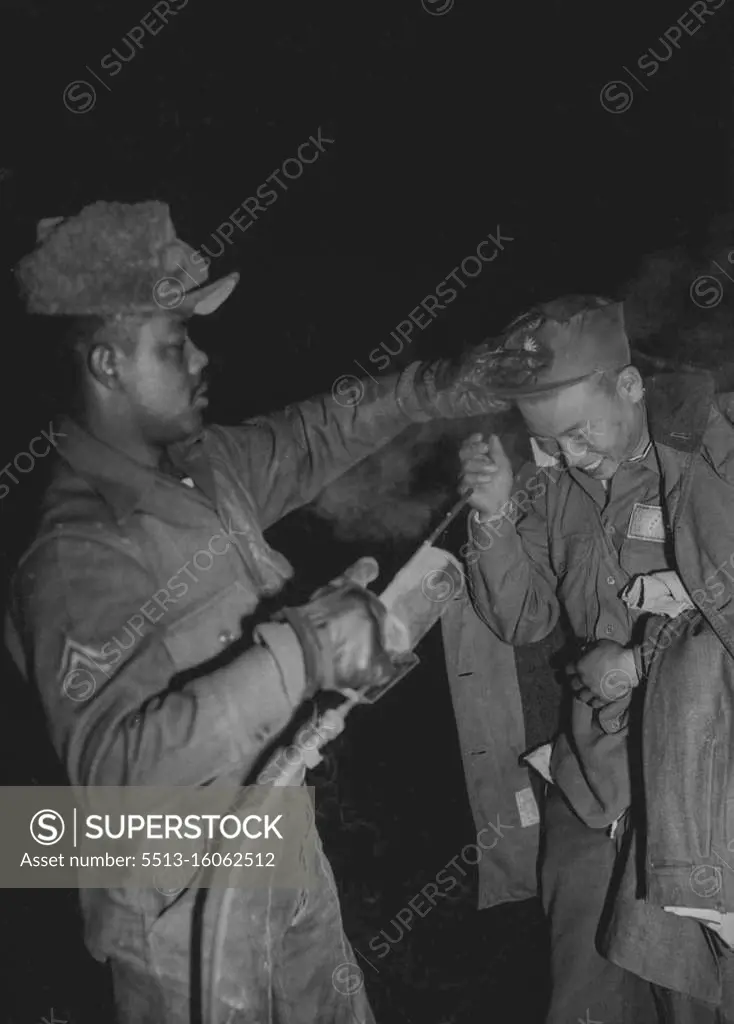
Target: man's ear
[630, 384]
[103, 363]
[112, 345]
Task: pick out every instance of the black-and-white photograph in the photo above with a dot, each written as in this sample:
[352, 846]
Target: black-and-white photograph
[367, 512]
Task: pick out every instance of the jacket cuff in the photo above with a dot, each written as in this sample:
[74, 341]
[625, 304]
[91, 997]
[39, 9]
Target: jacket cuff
[500, 527]
[282, 643]
[611, 719]
[411, 397]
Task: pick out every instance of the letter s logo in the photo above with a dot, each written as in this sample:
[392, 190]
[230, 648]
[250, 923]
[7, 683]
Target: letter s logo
[47, 827]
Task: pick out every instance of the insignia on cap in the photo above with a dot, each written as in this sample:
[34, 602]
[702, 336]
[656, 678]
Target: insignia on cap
[521, 356]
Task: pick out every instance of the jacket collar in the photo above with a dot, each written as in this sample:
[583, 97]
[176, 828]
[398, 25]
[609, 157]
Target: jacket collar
[121, 481]
[678, 408]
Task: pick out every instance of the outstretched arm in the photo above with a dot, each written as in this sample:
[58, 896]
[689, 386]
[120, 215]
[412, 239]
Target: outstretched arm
[286, 459]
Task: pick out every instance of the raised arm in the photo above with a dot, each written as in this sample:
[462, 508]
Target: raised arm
[513, 586]
[286, 459]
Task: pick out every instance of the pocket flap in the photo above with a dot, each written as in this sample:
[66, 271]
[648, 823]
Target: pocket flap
[209, 628]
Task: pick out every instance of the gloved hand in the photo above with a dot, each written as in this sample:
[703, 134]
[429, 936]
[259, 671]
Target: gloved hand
[447, 389]
[605, 673]
[343, 631]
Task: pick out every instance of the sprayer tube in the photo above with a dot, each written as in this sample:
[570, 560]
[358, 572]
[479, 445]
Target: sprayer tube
[453, 512]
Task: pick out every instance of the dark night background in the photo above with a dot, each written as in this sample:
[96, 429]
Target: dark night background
[445, 127]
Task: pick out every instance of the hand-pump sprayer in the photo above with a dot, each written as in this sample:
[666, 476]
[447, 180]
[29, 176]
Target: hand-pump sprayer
[415, 600]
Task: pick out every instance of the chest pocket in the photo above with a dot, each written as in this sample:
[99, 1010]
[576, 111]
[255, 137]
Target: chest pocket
[570, 554]
[647, 546]
[205, 631]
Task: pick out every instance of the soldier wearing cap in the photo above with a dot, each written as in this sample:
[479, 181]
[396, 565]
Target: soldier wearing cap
[620, 533]
[139, 658]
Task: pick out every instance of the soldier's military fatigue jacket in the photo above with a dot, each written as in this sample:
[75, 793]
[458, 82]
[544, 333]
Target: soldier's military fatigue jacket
[136, 586]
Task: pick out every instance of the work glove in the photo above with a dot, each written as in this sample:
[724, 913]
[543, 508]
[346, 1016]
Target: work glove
[345, 633]
[606, 672]
[449, 389]
[468, 387]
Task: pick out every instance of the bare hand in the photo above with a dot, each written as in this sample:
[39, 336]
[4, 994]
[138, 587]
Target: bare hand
[604, 674]
[488, 472]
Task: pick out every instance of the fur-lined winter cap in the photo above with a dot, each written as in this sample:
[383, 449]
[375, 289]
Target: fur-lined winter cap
[557, 344]
[114, 259]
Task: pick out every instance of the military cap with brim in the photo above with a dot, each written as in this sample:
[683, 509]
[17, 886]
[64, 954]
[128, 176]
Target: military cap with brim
[558, 344]
[116, 259]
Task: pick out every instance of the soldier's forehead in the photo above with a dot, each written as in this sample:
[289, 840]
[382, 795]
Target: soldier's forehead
[162, 327]
[566, 410]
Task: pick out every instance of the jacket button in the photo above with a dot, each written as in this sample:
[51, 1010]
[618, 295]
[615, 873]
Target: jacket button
[611, 580]
[225, 637]
[610, 628]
